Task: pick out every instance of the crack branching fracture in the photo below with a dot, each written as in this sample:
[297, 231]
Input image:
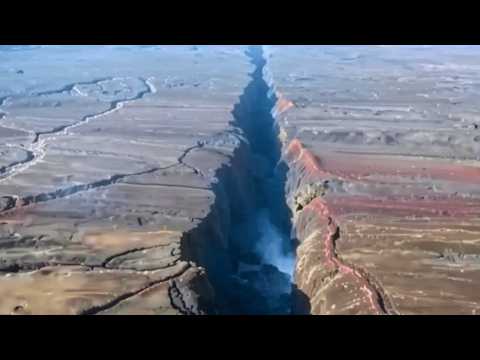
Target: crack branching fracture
[12, 203]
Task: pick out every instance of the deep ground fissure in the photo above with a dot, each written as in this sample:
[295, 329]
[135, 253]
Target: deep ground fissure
[260, 244]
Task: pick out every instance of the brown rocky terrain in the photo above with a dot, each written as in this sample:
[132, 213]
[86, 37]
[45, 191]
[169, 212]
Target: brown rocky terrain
[109, 157]
[382, 146]
[227, 179]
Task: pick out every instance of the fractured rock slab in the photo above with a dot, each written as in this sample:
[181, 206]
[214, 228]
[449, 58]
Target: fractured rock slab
[107, 167]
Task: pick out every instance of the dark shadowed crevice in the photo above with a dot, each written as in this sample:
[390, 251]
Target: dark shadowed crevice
[249, 258]
[265, 257]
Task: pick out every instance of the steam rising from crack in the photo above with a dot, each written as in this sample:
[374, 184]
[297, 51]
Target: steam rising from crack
[271, 245]
[260, 245]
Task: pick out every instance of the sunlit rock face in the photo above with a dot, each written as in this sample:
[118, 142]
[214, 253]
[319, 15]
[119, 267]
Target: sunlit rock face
[383, 154]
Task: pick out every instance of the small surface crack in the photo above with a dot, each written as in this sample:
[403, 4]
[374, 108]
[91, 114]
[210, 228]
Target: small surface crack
[127, 252]
[176, 299]
[110, 304]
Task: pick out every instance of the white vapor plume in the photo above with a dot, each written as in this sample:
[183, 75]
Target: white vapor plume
[271, 245]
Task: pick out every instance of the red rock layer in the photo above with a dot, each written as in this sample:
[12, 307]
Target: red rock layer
[364, 296]
[341, 279]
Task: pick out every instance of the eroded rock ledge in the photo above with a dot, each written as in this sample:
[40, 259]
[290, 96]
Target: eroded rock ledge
[383, 177]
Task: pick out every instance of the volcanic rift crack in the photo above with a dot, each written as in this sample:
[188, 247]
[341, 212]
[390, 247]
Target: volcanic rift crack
[250, 262]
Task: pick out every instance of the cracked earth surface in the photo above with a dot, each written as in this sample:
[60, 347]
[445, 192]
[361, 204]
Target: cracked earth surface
[99, 177]
[118, 184]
